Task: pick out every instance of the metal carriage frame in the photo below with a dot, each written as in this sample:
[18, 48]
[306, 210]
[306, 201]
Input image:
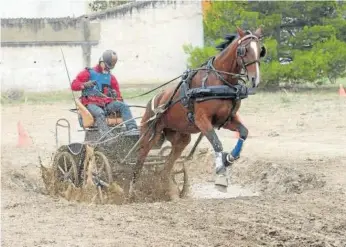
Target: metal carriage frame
[115, 161]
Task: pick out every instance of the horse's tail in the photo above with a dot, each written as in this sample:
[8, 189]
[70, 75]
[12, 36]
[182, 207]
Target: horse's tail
[151, 116]
[150, 111]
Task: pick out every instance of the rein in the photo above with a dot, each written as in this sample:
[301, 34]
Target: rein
[243, 49]
[166, 83]
[221, 78]
[209, 63]
[211, 68]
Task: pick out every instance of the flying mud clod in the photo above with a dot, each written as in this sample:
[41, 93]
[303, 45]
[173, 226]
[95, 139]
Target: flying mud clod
[89, 177]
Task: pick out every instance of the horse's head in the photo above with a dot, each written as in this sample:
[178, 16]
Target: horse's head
[249, 51]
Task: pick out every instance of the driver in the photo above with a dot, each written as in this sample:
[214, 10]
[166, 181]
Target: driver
[101, 94]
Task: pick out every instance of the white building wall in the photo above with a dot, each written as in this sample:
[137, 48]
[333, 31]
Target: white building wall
[42, 8]
[38, 68]
[149, 44]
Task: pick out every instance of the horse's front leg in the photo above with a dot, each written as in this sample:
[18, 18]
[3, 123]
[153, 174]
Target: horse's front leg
[205, 126]
[236, 125]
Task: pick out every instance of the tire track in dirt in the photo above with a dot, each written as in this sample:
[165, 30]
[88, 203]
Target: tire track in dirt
[285, 214]
[238, 219]
[244, 219]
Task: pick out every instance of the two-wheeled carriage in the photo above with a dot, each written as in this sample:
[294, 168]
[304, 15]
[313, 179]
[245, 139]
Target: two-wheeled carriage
[113, 159]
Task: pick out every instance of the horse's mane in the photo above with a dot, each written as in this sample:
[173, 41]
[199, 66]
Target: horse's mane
[229, 38]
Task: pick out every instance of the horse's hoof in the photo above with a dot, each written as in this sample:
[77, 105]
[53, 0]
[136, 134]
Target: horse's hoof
[221, 180]
[220, 188]
[174, 197]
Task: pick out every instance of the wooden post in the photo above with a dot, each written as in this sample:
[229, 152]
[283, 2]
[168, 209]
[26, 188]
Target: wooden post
[86, 46]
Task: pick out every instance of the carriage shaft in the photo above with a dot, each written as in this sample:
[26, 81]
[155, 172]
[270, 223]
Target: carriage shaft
[193, 150]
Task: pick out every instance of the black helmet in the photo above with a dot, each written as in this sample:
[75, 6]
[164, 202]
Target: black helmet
[109, 58]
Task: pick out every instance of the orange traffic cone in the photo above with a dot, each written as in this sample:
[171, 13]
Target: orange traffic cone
[23, 137]
[342, 91]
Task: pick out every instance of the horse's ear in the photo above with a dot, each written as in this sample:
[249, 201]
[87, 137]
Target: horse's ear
[258, 32]
[240, 32]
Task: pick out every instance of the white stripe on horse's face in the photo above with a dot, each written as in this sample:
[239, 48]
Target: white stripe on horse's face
[255, 48]
[153, 103]
[253, 45]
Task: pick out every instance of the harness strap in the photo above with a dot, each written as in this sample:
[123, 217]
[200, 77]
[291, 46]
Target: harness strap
[205, 78]
[189, 96]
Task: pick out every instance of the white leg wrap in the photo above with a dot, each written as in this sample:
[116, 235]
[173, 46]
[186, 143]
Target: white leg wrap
[219, 164]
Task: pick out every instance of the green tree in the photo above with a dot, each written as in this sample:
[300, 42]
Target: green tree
[333, 53]
[312, 34]
[197, 55]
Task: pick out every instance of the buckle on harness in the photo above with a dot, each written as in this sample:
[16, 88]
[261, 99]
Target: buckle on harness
[185, 74]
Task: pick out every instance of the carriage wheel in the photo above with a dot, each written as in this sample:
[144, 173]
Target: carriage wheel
[65, 168]
[102, 168]
[101, 174]
[180, 178]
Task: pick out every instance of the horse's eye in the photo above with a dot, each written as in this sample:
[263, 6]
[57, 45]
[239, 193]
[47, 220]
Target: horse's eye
[263, 51]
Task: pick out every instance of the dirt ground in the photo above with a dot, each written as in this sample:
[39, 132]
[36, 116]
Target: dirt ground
[294, 160]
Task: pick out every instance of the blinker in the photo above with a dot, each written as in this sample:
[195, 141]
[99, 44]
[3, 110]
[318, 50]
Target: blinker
[241, 51]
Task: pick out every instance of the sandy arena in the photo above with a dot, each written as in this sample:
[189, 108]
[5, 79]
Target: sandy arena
[288, 188]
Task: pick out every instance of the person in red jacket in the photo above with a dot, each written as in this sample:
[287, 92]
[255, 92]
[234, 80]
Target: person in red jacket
[101, 93]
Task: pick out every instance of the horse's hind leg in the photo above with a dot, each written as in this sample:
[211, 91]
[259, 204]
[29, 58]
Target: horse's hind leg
[179, 141]
[146, 145]
[205, 126]
[150, 134]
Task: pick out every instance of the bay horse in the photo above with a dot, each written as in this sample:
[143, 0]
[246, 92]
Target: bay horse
[205, 98]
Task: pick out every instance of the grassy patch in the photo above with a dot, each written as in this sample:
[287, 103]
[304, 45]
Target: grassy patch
[283, 96]
[20, 97]
[284, 99]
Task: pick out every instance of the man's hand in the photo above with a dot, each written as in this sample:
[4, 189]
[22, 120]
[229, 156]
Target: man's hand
[89, 84]
[113, 94]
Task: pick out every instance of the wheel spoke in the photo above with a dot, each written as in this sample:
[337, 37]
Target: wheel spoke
[69, 173]
[65, 165]
[70, 170]
[104, 171]
[62, 170]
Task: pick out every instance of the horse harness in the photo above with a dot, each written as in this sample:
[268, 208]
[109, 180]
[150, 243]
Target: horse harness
[235, 93]
[228, 92]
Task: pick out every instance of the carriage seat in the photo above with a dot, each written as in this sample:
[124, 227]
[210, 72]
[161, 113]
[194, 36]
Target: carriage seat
[86, 120]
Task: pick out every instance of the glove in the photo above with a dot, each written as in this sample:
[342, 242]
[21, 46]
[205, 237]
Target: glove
[114, 94]
[89, 84]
